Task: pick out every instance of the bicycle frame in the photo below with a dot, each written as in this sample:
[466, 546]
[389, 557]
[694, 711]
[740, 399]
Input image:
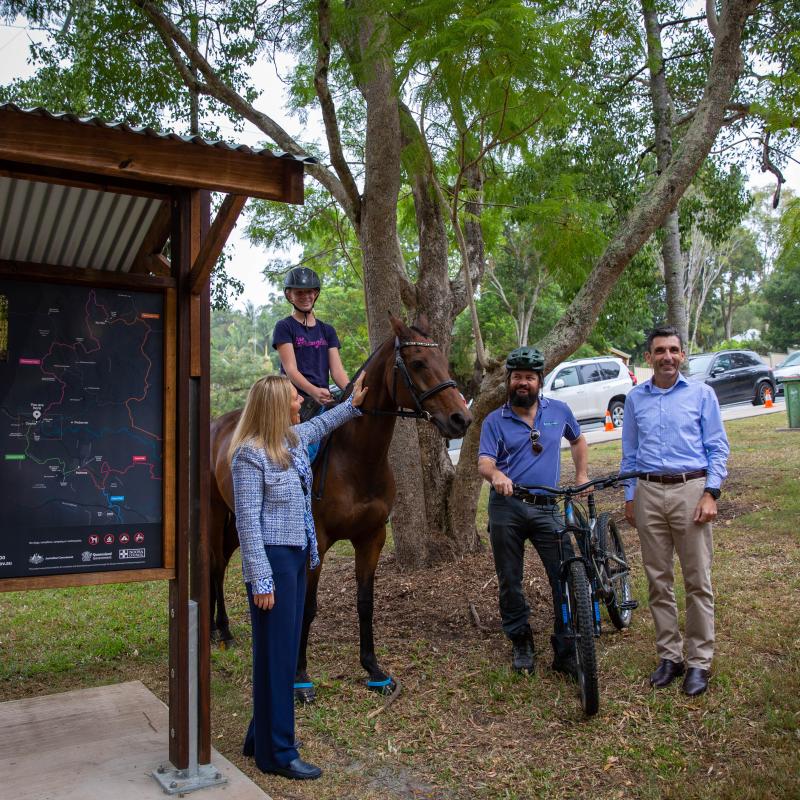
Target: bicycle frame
[585, 552]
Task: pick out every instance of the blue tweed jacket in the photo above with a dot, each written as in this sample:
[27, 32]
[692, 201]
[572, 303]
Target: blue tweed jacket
[272, 504]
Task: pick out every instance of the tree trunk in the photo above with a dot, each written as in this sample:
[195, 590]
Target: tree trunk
[662, 118]
[382, 258]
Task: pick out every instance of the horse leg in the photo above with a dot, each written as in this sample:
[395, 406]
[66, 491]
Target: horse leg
[303, 686]
[216, 523]
[367, 554]
[220, 521]
[230, 541]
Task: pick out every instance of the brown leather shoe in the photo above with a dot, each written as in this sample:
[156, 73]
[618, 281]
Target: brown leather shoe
[696, 681]
[666, 673]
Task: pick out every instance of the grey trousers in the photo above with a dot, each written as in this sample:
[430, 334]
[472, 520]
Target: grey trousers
[664, 520]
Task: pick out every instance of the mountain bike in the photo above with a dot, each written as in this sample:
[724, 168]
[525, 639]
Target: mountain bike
[598, 571]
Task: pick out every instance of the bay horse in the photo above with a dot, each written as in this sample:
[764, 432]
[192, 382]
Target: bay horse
[407, 376]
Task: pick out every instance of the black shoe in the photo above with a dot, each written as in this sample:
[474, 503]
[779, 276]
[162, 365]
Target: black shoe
[696, 681]
[667, 672]
[566, 665]
[522, 658]
[297, 770]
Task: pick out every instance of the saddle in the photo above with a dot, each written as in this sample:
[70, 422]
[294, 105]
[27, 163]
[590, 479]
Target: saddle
[319, 451]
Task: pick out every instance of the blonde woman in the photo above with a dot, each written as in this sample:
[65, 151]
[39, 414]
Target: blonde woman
[272, 494]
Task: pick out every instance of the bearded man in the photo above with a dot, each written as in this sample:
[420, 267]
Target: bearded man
[521, 443]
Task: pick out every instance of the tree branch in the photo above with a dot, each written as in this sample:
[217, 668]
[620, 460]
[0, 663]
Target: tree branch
[682, 21]
[329, 110]
[649, 213]
[711, 17]
[768, 166]
[218, 89]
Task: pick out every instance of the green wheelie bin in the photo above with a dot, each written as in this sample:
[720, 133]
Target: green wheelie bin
[791, 389]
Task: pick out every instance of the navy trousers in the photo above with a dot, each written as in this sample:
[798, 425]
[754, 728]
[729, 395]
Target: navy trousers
[276, 639]
[511, 524]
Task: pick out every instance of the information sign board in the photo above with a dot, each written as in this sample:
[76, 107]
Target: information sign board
[81, 429]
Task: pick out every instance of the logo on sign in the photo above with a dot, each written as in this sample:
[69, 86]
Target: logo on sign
[132, 552]
[138, 537]
[124, 538]
[109, 538]
[86, 555]
[36, 558]
[94, 539]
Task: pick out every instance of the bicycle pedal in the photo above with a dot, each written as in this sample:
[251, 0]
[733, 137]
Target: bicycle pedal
[629, 605]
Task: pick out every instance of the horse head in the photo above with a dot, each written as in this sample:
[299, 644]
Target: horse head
[418, 378]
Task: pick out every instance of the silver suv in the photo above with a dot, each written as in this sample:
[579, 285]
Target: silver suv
[591, 386]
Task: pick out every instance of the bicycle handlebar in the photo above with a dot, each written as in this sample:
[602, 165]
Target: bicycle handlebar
[569, 491]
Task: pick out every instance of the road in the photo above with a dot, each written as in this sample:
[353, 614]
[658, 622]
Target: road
[595, 432]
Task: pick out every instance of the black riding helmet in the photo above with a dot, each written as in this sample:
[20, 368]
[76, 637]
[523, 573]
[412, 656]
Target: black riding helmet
[525, 358]
[301, 278]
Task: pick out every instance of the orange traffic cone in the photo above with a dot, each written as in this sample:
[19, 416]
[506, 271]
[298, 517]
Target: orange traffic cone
[768, 399]
[609, 426]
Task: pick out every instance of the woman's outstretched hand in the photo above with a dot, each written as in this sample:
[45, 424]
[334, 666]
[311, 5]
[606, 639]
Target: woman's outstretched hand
[359, 391]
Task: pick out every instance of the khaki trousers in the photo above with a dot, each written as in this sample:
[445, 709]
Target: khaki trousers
[664, 521]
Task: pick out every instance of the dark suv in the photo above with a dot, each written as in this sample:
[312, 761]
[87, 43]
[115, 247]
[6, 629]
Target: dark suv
[734, 375]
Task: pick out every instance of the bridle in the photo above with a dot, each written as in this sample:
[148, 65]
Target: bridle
[418, 397]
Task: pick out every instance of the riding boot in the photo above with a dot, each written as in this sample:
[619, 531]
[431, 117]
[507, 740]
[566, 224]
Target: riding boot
[564, 659]
[522, 657]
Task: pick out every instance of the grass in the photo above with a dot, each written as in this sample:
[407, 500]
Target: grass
[464, 725]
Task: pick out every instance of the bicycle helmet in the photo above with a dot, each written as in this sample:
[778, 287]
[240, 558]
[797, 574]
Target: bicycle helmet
[525, 358]
[301, 278]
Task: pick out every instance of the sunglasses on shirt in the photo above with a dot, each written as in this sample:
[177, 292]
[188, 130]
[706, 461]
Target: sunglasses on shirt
[536, 445]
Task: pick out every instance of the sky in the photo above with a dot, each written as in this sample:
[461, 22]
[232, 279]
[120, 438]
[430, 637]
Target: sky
[247, 261]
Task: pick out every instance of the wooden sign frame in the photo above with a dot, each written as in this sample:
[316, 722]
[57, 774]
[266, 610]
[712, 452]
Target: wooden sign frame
[165, 287]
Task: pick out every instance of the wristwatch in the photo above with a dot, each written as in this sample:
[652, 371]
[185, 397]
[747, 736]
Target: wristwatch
[715, 493]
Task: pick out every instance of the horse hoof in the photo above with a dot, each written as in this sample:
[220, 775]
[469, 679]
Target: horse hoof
[304, 693]
[385, 686]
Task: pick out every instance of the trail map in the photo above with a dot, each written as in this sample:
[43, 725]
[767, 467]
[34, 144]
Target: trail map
[81, 408]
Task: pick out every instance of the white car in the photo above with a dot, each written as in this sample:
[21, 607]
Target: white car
[592, 386]
[788, 368]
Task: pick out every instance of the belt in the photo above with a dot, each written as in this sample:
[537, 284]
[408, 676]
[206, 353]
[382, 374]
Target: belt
[537, 500]
[681, 477]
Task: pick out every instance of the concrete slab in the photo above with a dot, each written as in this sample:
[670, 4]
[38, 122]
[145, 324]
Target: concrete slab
[96, 744]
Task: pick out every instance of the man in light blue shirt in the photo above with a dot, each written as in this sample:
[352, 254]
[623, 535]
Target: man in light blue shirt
[673, 432]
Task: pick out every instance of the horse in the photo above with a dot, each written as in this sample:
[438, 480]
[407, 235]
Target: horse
[354, 489]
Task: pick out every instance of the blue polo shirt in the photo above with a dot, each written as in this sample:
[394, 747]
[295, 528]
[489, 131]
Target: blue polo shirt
[506, 438]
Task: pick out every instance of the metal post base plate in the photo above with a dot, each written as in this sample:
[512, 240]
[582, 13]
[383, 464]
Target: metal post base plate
[179, 781]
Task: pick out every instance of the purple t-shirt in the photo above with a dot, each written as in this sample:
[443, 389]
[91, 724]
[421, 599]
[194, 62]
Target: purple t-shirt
[310, 347]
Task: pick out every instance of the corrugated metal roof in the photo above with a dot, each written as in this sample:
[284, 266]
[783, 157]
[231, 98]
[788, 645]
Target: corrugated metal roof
[47, 223]
[147, 131]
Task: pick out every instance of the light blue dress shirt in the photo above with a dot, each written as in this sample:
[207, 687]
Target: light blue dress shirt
[675, 430]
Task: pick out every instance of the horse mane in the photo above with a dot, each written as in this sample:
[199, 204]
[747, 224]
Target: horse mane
[421, 331]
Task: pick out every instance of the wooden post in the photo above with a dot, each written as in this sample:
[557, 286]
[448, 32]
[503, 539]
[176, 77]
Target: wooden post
[185, 240]
[201, 576]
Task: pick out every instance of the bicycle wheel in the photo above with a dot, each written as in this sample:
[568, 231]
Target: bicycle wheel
[580, 604]
[618, 603]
